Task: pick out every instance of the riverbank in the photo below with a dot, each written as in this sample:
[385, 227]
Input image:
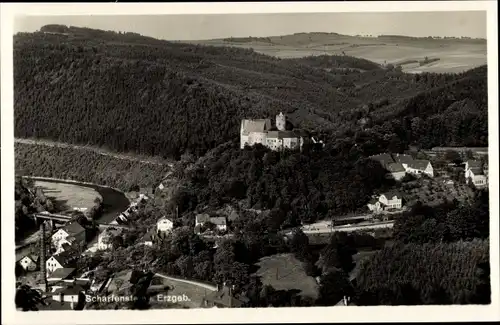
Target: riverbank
[113, 201]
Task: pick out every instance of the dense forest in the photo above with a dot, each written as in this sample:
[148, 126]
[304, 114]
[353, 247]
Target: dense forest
[135, 93]
[85, 166]
[437, 273]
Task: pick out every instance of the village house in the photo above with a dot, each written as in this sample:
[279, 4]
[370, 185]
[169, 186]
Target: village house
[66, 245]
[61, 274]
[73, 294]
[149, 238]
[71, 233]
[105, 239]
[398, 165]
[386, 201]
[260, 131]
[223, 298]
[59, 261]
[475, 173]
[202, 219]
[29, 263]
[164, 225]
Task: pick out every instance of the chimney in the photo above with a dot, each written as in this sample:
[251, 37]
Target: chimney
[43, 266]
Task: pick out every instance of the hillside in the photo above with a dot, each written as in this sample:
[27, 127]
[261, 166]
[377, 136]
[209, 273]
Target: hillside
[455, 273]
[137, 94]
[454, 54]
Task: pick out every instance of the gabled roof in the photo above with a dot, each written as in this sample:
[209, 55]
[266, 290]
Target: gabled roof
[419, 164]
[202, 218]
[63, 258]
[395, 167]
[261, 125]
[385, 159]
[62, 273]
[164, 218]
[474, 164]
[477, 170]
[403, 159]
[389, 195]
[73, 228]
[69, 290]
[218, 220]
[372, 201]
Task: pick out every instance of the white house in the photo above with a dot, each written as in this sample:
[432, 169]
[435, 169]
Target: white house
[219, 222]
[164, 225]
[72, 294]
[415, 166]
[386, 201]
[59, 261]
[475, 173]
[71, 229]
[29, 262]
[105, 239]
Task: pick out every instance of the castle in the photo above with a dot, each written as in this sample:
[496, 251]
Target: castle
[261, 131]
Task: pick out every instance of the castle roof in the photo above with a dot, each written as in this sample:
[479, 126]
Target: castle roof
[260, 125]
[281, 135]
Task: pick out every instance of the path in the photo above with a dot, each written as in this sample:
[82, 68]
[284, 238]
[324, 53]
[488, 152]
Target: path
[193, 282]
[96, 150]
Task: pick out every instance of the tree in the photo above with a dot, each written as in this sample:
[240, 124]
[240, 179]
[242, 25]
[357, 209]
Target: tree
[334, 285]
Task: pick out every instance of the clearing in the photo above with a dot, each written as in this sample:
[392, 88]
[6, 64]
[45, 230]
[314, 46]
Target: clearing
[285, 272]
[69, 196]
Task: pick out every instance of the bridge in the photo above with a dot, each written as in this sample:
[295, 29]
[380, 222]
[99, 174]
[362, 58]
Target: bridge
[60, 218]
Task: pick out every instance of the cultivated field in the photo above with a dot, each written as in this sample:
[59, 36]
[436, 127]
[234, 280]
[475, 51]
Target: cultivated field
[285, 272]
[454, 55]
[69, 196]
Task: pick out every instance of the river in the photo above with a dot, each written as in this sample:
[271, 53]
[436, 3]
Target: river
[114, 202]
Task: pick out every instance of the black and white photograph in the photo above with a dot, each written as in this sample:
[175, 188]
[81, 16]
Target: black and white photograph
[215, 161]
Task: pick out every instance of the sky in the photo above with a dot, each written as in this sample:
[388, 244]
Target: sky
[202, 27]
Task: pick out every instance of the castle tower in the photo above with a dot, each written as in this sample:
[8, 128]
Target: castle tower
[281, 121]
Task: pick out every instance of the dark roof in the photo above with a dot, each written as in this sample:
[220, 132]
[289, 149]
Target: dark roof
[69, 290]
[392, 194]
[281, 134]
[384, 158]
[149, 235]
[474, 164]
[223, 297]
[64, 258]
[419, 164]
[477, 170]
[63, 273]
[372, 201]
[202, 217]
[404, 159]
[73, 228]
[395, 168]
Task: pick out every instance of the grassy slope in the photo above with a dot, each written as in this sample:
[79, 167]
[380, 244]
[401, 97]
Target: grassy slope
[455, 55]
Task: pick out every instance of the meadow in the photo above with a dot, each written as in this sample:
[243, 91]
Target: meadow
[455, 55]
[69, 196]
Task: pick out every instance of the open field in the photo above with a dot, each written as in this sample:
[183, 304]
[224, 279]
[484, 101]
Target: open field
[69, 196]
[454, 55]
[285, 272]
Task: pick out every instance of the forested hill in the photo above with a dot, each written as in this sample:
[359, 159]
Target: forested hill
[135, 93]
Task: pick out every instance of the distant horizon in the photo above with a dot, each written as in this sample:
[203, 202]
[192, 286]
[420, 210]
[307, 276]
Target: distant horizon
[457, 24]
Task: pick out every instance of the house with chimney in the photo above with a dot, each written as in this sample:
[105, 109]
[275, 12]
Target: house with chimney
[476, 173]
[398, 165]
[73, 294]
[71, 233]
[260, 131]
[164, 225]
[105, 238]
[387, 201]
